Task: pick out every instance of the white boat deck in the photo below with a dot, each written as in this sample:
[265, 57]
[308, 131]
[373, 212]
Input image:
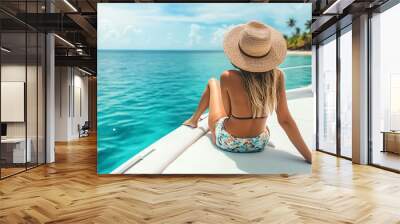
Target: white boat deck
[190, 151]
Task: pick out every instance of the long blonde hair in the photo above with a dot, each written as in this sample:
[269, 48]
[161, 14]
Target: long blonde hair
[262, 89]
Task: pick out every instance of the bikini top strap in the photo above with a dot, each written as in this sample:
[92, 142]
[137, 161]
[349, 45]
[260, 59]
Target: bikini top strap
[247, 118]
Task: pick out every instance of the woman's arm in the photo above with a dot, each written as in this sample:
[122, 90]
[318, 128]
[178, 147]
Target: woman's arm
[287, 123]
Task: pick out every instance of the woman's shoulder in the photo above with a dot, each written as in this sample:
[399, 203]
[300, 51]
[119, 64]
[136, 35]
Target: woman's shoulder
[230, 74]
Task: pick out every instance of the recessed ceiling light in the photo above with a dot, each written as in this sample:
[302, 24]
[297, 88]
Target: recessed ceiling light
[5, 50]
[64, 40]
[84, 71]
[337, 7]
[70, 5]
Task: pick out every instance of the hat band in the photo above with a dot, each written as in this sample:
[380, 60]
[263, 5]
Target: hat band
[251, 56]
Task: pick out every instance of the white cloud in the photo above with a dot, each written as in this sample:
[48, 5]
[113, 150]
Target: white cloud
[130, 29]
[194, 34]
[218, 35]
[169, 36]
[111, 34]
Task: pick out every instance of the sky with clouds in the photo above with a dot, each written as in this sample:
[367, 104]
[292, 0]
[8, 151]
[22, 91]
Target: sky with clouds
[186, 26]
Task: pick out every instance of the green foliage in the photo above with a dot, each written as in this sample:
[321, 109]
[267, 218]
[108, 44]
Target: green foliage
[299, 40]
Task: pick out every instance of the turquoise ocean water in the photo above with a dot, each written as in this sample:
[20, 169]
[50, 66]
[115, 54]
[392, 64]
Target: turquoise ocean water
[143, 95]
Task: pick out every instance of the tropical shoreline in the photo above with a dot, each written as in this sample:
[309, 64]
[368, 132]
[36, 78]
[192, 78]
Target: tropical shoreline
[295, 52]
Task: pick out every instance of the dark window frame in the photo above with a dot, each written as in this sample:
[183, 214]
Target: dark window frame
[339, 31]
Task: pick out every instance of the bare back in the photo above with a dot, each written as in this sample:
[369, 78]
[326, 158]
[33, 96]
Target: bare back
[236, 102]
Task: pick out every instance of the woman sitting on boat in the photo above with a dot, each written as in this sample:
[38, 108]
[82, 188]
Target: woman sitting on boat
[240, 103]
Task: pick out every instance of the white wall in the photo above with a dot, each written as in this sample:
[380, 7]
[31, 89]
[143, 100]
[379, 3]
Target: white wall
[13, 101]
[62, 82]
[79, 117]
[69, 82]
[14, 72]
[33, 127]
[17, 73]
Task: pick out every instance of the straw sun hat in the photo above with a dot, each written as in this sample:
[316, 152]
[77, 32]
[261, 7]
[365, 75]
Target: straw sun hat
[255, 47]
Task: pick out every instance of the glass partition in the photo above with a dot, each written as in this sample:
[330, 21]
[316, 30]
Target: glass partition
[22, 78]
[14, 153]
[385, 90]
[327, 95]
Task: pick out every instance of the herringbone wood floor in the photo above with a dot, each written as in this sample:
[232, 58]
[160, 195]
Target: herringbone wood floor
[70, 191]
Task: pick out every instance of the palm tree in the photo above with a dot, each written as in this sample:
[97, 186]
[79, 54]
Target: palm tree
[291, 22]
[298, 31]
[299, 39]
[308, 25]
[306, 36]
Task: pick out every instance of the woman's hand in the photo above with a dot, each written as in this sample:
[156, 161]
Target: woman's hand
[295, 137]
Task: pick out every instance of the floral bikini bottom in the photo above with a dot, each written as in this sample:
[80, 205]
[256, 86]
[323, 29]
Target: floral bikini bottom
[227, 142]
